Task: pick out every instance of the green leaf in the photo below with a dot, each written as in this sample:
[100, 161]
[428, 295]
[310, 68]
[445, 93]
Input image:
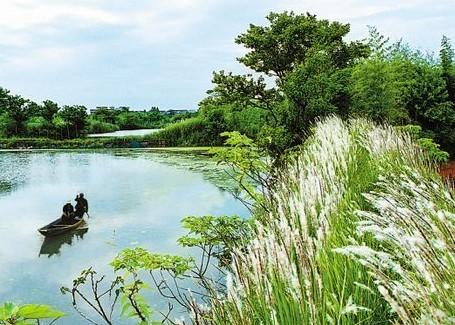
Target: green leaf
[39, 312]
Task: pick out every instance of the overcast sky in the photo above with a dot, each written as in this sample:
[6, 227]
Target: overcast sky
[142, 53]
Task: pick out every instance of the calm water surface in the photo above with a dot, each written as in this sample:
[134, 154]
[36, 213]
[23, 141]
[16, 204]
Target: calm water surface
[136, 198]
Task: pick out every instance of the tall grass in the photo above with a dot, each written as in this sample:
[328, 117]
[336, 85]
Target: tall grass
[299, 267]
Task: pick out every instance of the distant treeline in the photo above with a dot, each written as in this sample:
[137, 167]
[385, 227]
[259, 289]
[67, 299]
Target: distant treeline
[20, 117]
[305, 69]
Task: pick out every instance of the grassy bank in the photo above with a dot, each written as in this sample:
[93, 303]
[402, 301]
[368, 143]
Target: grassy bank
[81, 143]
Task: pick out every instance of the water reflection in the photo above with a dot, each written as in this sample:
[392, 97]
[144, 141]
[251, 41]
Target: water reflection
[52, 245]
[136, 198]
[14, 171]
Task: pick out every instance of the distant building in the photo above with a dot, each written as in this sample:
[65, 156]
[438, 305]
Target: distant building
[109, 108]
[177, 111]
[127, 108]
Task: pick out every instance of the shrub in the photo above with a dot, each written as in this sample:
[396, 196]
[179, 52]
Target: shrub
[96, 126]
[195, 131]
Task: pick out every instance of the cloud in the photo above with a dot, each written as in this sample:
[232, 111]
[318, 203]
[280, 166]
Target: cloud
[21, 20]
[355, 9]
[162, 52]
[46, 56]
[26, 14]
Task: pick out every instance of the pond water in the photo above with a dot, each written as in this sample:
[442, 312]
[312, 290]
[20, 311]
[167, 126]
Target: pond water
[136, 198]
[124, 133]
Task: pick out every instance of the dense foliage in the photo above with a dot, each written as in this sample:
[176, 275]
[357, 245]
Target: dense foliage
[304, 69]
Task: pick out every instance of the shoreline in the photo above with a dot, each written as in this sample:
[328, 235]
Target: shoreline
[204, 150]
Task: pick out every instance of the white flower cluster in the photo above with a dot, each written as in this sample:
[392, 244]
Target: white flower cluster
[414, 219]
[286, 245]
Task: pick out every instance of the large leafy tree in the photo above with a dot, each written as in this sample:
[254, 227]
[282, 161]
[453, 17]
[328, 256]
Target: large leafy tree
[313, 90]
[48, 110]
[308, 60]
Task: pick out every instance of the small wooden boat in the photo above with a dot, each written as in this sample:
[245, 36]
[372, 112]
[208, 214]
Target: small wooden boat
[57, 227]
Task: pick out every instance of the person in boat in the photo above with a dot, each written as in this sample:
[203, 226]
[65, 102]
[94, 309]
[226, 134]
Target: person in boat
[81, 205]
[68, 213]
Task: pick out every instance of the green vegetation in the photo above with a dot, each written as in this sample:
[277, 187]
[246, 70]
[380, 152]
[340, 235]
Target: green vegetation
[11, 314]
[23, 118]
[191, 132]
[109, 120]
[305, 70]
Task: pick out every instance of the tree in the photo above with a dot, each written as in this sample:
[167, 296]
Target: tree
[128, 120]
[448, 69]
[75, 119]
[48, 110]
[377, 91]
[37, 125]
[17, 109]
[279, 48]
[60, 125]
[312, 90]
[240, 91]
[7, 125]
[105, 115]
[309, 57]
[378, 43]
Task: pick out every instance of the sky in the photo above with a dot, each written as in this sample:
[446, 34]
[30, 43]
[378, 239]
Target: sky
[162, 53]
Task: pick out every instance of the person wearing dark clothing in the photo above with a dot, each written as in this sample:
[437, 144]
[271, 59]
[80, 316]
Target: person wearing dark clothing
[81, 205]
[68, 213]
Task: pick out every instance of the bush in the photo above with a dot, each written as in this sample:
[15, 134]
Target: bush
[195, 131]
[96, 126]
